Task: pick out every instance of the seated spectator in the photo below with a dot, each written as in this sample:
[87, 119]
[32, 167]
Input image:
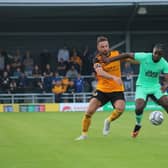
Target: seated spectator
[76, 60]
[72, 73]
[65, 83]
[79, 86]
[28, 63]
[56, 77]
[17, 73]
[48, 74]
[48, 71]
[38, 86]
[16, 62]
[127, 72]
[70, 89]
[8, 69]
[62, 67]
[13, 86]
[36, 73]
[22, 83]
[79, 83]
[58, 90]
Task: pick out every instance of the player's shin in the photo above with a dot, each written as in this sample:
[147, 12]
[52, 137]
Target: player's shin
[86, 121]
[115, 114]
[139, 119]
[139, 115]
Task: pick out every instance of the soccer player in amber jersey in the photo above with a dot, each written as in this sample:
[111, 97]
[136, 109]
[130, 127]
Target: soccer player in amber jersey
[152, 64]
[109, 88]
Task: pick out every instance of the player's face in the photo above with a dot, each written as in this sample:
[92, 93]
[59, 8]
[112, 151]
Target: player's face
[157, 54]
[103, 47]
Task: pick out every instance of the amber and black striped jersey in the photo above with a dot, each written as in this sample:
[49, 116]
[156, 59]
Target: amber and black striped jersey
[113, 68]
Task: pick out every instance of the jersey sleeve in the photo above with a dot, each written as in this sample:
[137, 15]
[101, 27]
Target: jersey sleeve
[140, 56]
[165, 66]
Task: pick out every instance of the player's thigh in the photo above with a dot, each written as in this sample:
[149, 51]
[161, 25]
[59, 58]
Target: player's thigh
[159, 94]
[163, 101]
[94, 104]
[140, 93]
[118, 100]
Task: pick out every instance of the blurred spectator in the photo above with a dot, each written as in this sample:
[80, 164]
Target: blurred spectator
[13, 86]
[93, 81]
[72, 73]
[17, 73]
[56, 77]
[65, 83]
[2, 63]
[78, 83]
[87, 86]
[48, 75]
[70, 90]
[76, 60]
[5, 82]
[36, 73]
[61, 67]
[87, 62]
[38, 86]
[45, 58]
[28, 63]
[79, 86]
[8, 69]
[64, 54]
[22, 83]
[58, 90]
[48, 71]
[127, 72]
[7, 56]
[16, 62]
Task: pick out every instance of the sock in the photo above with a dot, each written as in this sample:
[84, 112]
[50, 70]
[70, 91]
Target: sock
[138, 119]
[114, 115]
[86, 121]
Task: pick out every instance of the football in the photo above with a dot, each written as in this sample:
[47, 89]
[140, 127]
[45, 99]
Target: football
[156, 117]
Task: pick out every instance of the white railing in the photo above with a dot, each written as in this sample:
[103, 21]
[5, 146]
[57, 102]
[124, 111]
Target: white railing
[50, 97]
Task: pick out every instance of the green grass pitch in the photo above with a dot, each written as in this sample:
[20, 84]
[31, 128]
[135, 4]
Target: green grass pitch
[46, 140]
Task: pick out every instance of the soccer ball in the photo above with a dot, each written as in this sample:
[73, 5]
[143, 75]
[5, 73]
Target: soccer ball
[156, 117]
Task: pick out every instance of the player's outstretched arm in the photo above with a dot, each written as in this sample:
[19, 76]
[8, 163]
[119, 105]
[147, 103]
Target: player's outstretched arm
[119, 57]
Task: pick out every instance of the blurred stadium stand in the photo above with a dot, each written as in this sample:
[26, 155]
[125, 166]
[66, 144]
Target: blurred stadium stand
[39, 24]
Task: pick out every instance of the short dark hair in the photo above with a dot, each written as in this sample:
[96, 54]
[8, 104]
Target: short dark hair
[101, 38]
[159, 46]
[164, 48]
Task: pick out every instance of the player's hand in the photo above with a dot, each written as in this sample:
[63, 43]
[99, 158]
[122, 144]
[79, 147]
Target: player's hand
[105, 59]
[118, 80]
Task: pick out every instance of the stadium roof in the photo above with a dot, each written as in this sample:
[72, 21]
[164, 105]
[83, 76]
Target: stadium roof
[83, 15]
[79, 2]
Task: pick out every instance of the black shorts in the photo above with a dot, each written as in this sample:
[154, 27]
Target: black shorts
[106, 97]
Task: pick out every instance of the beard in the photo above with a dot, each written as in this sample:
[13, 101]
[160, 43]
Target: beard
[105, 53]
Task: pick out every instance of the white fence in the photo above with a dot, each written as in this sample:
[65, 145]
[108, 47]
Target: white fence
[50, 97]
